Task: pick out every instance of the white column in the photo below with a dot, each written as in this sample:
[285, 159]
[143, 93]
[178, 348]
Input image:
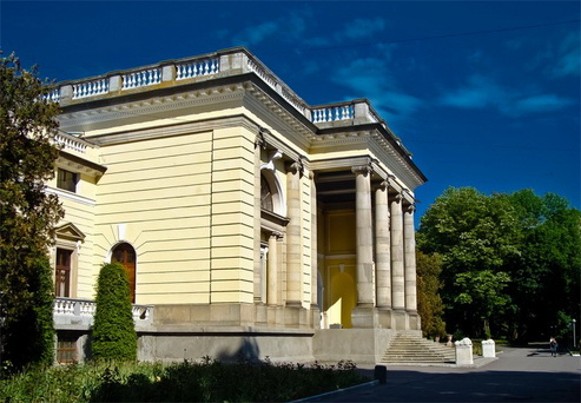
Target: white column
[397, 257]
[410, 259]
[293, 236]
[382, 247]
[364, 236]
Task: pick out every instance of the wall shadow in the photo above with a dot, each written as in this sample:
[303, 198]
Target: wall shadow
[247, 351]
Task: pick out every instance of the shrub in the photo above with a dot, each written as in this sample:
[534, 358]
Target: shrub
[209, 381]
[29, 335]
[113, 334]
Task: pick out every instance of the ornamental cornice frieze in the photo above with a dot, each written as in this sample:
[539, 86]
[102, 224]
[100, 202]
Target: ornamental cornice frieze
[161, 107]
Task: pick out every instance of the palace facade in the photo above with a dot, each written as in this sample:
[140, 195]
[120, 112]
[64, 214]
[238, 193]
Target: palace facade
[249, 222]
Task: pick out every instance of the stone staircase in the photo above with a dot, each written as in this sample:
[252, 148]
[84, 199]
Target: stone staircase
[413, 349]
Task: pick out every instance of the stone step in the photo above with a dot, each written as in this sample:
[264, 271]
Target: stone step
[414, 349]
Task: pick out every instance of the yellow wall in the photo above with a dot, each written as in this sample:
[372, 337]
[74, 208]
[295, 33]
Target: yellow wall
[340, 267]
[185, 204]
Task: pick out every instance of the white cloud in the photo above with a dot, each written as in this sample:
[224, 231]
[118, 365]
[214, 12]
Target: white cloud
[288, 28]
[481, 92]
[362, 28]
[568, 57]
[256, 34]
[370, 78]
[541, 103]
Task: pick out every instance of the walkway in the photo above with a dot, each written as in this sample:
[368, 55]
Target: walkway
[519, 374]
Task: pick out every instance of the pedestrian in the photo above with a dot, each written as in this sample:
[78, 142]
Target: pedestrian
[553, 346]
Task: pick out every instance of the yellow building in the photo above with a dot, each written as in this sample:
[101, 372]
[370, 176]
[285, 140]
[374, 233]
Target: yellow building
[248, 221]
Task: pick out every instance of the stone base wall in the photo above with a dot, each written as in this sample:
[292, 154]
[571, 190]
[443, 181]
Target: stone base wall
[191, 317]
[226, 347]
[230, 332]
[362, 346]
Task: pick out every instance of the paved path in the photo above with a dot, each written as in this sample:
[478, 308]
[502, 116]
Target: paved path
[518, 375]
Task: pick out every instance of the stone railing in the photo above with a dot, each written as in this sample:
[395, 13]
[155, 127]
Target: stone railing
[80, 313]
[332, 113]
[70, 143]
[225, 63]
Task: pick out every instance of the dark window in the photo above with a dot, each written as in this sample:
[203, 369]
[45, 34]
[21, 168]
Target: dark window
[63, 273]
[66, 351]
[67, 180]
[125, 254]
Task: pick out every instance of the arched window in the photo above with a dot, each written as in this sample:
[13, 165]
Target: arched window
[271, 199]
[125, 255]
[265, 195]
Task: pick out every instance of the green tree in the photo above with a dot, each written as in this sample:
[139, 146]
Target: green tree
[473, 233]
[430, 307]
[113, 335]
[27, 213]
[481, 294]
[511, 263]
[546, 274]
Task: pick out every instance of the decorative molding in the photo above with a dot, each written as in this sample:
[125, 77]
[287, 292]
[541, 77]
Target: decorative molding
[71, 196]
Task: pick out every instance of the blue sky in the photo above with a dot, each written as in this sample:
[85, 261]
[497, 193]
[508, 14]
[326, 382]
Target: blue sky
[484, 94]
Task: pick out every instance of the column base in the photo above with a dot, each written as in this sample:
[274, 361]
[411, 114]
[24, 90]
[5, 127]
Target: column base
[399, 319]
[364, 317]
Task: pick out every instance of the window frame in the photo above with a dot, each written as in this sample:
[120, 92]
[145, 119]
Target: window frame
[67, 180]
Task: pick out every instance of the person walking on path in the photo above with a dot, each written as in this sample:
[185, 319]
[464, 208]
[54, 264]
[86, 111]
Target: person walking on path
[553, 346]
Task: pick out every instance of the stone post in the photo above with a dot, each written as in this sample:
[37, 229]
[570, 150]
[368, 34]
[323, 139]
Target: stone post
[488, 348]
[464, 352]
[293, 235]
[382, 247]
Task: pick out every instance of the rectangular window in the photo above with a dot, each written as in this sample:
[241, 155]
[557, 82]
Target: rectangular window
[66, 351]
[67, 180]
[63, 273]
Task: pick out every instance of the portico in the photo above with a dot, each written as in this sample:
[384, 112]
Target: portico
[382, 256]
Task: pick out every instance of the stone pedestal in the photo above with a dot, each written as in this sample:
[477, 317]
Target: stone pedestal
[488, 348]
[464, 355]
[364, 317]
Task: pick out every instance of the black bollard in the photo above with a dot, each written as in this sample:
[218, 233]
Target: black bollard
[380, 374]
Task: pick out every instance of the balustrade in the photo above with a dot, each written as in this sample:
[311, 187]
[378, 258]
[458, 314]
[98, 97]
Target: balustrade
[332, 113]
[80, 308]
[207, 66]
[54, 95]
[141, 78]
[90, 88]
[197, 68]
[70, 143]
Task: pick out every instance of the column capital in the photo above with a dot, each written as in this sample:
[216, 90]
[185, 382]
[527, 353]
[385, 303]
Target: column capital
[362, 169]
[410, 209]
[294, 167]
[397, 198]
[276, 234]
[259, 141]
